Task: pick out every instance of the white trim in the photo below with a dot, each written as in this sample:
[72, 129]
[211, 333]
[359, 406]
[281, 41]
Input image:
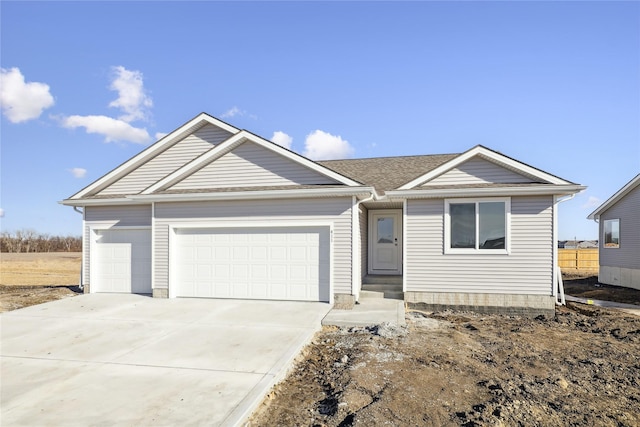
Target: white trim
[152, 151]
[488, 154]
[448, 250]
[86, 251]
[554, 244]
[356, 278]
[178, 225]
[595, 215]
[399, 215]
[604, 233]
[534, 190]
[153, 246]
[405, 205]
[232, 143]
[225, 195]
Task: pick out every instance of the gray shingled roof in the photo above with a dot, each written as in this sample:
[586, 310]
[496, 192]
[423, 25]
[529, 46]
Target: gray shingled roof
[387, 173]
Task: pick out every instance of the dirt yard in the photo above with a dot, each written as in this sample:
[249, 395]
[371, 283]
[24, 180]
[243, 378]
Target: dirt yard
[578, 368]
[34, 278]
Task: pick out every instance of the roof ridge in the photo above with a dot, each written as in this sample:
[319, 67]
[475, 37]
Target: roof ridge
[389, 157]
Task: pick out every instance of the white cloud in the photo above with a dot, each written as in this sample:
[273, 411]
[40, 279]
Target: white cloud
[592, 203]
[160, 135]
[1, 213]
[321, 145]
[112, 129]
[282, 139]
[22, 101]
[132, 99]
[78, 172]
[232, 112]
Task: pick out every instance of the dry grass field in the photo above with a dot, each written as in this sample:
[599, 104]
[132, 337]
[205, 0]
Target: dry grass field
[35, 278]
[38, 269]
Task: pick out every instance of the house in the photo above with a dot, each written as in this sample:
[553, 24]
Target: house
[619, 231]
[212, 211]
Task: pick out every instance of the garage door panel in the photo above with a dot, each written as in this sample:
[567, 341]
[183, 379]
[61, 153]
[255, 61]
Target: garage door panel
[259, 263]
[122, 261]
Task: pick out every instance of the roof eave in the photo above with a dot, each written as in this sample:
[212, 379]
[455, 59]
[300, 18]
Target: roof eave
[231, 195]
[538, 190]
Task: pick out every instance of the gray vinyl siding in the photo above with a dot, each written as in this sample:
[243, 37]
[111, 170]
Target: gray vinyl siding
[627, 210]
[478, 171]
[528, 269]
[250, 165]
[113, 216]
[168, 161]
[330, 210]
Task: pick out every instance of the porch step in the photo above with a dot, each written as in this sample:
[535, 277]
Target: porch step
[371, 279]
[382, 291]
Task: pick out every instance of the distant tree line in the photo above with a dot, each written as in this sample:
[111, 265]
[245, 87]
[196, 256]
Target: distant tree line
[31, 241]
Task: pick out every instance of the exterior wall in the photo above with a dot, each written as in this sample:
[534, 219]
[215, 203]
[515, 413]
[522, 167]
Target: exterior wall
[627, 256]
[334, 210]
[478, 171]
[168, 161]
[250, 165]
[527, 270]
[110, 216]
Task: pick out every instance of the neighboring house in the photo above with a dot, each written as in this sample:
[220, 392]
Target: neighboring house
[213, 211]
[619, 226]
[577, 244]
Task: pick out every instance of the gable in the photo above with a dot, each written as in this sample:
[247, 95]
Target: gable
[182, 152]
[251, 165]
[478, 171]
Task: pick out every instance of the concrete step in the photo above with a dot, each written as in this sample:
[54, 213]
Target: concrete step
[382, 287]
[383, 293]
[382, 280]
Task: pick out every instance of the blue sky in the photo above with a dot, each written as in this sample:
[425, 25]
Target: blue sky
[553, 84]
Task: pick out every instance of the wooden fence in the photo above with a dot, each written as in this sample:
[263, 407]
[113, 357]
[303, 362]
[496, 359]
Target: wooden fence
[578, 259]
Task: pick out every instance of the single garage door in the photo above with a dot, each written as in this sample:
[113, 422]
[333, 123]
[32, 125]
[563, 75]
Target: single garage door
[122, 261]
[288, 263]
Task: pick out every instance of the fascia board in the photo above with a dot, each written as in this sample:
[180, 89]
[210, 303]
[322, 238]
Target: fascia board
[486, 192]
[197, 163]
[482, 151]
[616, 197]
[95, 202]
[151, 152]
[253, 195]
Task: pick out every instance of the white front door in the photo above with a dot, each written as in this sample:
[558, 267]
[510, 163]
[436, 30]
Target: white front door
[385, 241]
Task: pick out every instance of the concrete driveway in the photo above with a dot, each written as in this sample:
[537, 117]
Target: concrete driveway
[115, 359]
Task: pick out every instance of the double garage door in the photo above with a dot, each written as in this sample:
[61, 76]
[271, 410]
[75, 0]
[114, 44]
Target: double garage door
[273, 263]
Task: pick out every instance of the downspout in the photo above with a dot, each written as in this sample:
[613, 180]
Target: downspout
[80, 284]
[558, 283]
[356, 276]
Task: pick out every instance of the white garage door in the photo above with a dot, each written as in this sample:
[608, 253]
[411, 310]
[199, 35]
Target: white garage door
[122, 261]
[289, 263]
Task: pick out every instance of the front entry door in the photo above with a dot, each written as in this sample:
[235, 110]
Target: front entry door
[385, 241]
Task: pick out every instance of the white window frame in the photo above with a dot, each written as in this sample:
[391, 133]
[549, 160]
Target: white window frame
[477, 251]
[604, 233]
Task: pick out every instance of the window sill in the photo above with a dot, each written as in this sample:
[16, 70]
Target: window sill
[476, 252]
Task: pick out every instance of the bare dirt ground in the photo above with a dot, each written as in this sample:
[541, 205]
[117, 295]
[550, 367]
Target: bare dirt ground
[578, 368]
[35, 278]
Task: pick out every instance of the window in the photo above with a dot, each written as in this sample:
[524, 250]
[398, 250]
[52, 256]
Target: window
[611, 233]
[477, 225]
